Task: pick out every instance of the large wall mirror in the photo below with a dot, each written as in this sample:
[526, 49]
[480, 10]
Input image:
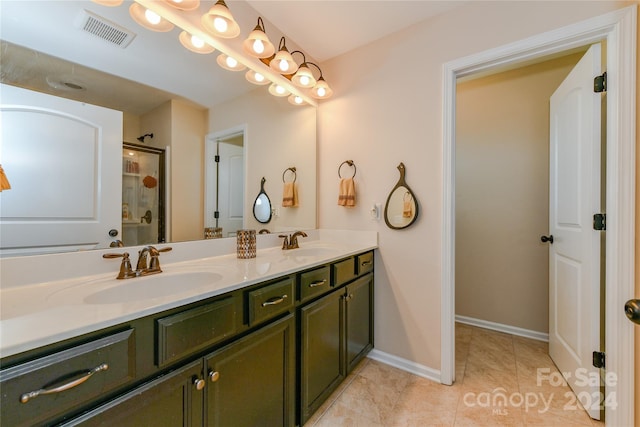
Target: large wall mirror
[154, 78]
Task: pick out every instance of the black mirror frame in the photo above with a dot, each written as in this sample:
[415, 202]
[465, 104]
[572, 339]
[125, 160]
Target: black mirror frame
[256, 200]
[401, 183]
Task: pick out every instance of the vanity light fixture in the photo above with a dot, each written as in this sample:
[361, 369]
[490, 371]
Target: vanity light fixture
[257, 43]
[229, 63]
[111, 3]
[149, 19]
[321, 89]
[276, 90]
[256, 78]
[194, 43]
[303, 77]
[283, 62]
[296, 100]
[184, 4]
[219, 21]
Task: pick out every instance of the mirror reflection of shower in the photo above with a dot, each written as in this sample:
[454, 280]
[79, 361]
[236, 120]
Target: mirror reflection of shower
[143, 183]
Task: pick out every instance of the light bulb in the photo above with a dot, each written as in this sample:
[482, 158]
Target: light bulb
[258, 46]
[304, 80]
[231, 62]
[280, 89]
[258, 77]
[297, 100]
[220, 24]
[197, 41]
[321, 91]
[177, 1]
[152, 17]
[283, 65]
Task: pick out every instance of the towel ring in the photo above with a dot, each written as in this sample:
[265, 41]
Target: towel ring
[293, 170]
[350, 163]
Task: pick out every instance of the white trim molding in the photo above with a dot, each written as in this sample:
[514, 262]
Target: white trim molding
[405, 365]
[618, 28]
[501, 327]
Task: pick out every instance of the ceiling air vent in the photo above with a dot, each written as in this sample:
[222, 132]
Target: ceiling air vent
[104, 29]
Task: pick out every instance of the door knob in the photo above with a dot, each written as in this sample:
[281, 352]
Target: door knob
[632, 310]
[546, 239]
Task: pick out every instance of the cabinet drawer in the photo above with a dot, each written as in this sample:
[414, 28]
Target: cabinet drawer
[343, 271]
[270, 300]
[45, 388]
[314, 282]
[180, 334]
[364, 263]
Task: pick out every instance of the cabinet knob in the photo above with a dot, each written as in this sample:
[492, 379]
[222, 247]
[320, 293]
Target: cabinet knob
[214, 376]
[199, 383]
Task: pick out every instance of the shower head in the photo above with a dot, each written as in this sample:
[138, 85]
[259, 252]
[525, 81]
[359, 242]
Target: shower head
[141, 138]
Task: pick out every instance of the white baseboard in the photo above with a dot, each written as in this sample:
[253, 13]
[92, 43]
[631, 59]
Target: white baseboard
[513, 330]
[405, 365]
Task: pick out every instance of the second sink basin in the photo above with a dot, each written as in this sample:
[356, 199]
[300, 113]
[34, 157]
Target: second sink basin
[154, 286]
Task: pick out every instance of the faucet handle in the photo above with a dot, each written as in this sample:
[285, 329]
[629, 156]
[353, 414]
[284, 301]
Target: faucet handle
[154, 262]
[285, 243]
[126, 272]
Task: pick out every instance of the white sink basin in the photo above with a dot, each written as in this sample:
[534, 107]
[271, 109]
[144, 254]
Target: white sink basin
[312, 251]
[150, 287]
[154, 286]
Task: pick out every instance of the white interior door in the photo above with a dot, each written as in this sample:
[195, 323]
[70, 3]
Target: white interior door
[62, 159]
[230, 188]
[574, 255]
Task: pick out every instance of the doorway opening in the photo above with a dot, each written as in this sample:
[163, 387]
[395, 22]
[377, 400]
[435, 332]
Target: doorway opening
[224, 182]
[618, 28]
[502, 210]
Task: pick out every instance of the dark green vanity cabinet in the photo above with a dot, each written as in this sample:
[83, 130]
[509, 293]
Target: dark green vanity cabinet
[268, 354]
[252, 381]
[174, 399]
[336, 331]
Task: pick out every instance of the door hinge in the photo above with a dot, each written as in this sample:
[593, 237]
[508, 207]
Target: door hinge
[600, 83]
[598, 359]
[600, 221]
[216, 214]
[217, 158]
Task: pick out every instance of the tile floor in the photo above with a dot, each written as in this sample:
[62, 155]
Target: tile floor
[489, 365]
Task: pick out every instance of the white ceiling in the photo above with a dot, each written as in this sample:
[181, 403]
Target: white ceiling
[321, 29]
[328, 28]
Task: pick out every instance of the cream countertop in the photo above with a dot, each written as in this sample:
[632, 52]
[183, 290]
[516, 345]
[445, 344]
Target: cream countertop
[35, 313]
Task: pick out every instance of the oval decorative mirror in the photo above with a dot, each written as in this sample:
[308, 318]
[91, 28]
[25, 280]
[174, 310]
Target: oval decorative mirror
[401, 209]
[262, 205]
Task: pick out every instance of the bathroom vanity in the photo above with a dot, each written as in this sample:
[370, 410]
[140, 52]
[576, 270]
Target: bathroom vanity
[251, 342]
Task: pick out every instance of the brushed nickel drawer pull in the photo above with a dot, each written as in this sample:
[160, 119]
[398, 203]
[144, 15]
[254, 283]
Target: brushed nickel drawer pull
[274, 301]
[365, 263]
[58, 388]
[317, 283]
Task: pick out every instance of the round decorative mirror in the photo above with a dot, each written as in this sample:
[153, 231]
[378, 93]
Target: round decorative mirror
[262, 205]
[401, 209]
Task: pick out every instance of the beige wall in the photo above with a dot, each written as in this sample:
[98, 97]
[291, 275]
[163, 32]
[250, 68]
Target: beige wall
[502, 194]
[279, 137]
[388, 109]
[181, 127]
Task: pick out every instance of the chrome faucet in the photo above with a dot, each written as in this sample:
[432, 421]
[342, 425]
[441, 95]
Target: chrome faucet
[143, 267]
[291, 242]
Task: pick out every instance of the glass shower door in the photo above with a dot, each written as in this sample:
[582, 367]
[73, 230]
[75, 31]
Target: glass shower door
[142, 195]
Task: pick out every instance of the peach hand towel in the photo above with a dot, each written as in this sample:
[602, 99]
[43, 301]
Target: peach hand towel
[347, 194]
[290, 195]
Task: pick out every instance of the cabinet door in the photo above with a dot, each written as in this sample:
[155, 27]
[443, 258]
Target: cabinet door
[321, 341]
[359, 320]
[175, 399]
[251, 382]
